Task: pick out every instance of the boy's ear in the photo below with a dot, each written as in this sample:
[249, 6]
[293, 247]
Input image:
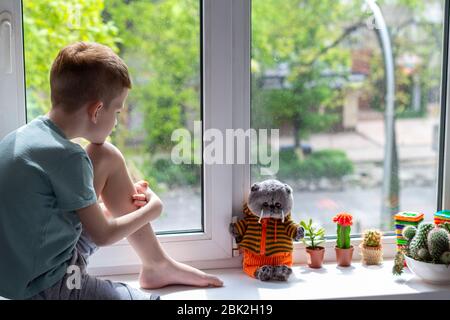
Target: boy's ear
[93, 110]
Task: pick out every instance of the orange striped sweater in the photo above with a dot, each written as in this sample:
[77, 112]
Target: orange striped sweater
[269, 237]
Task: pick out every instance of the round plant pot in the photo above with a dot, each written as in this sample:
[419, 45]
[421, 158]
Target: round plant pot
[344, 256]
[371, 255]
[429, 272]
[315, 257]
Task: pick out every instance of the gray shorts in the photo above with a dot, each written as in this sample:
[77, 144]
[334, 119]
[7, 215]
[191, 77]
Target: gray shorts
[88, 287]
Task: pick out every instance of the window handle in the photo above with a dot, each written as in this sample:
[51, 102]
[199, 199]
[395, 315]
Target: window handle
[5, 43]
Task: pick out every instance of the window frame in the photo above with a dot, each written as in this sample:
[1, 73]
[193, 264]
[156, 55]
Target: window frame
[226, 53]
[12, 85]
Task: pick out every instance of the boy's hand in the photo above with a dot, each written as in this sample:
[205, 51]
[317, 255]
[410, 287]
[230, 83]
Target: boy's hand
[143, 195]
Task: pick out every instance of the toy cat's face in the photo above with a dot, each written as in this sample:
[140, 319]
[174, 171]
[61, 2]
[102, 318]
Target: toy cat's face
[270, 199]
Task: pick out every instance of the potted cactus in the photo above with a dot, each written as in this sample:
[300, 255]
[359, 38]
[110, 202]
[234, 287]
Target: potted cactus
[427, 253]
[314, 236]
[371, 248]
[344, 249]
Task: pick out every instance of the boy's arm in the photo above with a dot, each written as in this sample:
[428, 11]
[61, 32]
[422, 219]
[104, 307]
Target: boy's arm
[106, 230]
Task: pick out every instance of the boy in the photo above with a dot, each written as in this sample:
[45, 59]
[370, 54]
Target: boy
[50, 217]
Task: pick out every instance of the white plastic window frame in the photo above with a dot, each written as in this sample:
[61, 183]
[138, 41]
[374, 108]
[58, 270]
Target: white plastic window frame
[12, 85]
[226, 100]
[242, 41]
[212, 245]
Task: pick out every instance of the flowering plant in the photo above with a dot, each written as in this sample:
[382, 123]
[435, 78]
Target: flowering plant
[344, 222]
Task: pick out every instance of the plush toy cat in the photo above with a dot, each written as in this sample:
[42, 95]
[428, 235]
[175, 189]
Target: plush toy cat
[266, 233]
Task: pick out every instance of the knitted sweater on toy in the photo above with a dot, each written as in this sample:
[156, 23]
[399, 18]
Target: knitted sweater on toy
[268, 237]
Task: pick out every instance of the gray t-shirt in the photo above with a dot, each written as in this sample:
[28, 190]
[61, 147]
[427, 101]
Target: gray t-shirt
[44, 178]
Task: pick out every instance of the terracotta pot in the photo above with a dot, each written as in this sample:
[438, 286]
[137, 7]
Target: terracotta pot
[315, 257]
[371, 255]
[344, 256]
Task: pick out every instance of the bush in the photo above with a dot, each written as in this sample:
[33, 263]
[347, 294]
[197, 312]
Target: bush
[321, 164]
[163, 170]
[290, 166]
[326, 164]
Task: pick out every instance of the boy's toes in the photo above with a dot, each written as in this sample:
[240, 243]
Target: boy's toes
[213, 281]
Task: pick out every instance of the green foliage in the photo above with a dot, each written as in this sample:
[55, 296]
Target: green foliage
[343, 237]
[162, 49]
[49, 25]
[160, 42]
[424, 45]
[307, 101]
[326, 163]
[165, 171]
[332, 164]
[314, 236]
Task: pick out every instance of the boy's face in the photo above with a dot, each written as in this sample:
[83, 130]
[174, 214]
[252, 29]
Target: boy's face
[106, 118]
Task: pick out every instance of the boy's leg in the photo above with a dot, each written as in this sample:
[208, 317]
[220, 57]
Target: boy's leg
[77, 284]
[113, 183]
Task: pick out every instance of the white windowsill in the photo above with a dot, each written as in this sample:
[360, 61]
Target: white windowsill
[330, 282]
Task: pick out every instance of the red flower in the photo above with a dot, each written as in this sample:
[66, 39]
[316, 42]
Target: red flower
[344, 219]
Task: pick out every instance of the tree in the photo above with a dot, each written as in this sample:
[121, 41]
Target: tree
[307, 36]
[162, 49]
[49, 25]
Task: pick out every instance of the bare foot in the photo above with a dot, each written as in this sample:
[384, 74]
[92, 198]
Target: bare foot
[173, 272]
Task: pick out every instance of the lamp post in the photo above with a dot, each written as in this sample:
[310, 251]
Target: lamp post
[390, 192]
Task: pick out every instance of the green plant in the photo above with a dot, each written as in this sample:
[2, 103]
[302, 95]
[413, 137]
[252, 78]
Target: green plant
[420, 239]
[399, 263]
[409, 232]
[289, 164]
[372, 238]
[344, 222]
[445, 258]
[332, 164]
[424, 254]
[314, 236]
[165, 171]
[426, 243]
[445, 225]
[438, 243]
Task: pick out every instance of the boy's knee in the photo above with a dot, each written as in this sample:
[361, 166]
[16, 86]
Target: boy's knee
[105, 153]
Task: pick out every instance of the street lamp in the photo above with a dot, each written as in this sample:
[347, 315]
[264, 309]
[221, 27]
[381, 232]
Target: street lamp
[390, 193]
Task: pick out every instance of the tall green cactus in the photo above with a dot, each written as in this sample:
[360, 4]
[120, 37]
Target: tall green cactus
[438, 243]
[343, 237]
[420, 239]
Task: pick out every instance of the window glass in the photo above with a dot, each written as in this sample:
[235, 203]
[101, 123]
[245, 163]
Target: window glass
[321, 74]
[160, 42]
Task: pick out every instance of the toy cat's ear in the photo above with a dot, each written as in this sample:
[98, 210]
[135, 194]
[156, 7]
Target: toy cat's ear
[255, 187]
[288, 188]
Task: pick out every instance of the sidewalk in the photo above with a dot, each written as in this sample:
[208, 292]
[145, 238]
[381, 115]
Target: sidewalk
[414, 141]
